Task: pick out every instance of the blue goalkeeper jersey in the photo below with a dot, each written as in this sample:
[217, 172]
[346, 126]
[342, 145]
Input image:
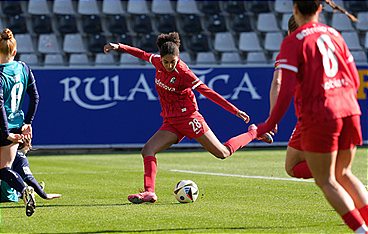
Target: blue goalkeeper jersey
[15, 80]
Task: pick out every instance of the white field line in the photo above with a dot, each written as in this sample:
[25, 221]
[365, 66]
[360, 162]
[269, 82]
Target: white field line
[240, 176]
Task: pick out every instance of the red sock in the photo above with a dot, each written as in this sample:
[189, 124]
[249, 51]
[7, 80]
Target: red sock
[301, 170]
[353, 219]
[240, 141]
[150, 170]
[364, 213]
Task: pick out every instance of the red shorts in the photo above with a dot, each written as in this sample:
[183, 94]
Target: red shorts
[295, 138]
[192, 126]
[332, 135]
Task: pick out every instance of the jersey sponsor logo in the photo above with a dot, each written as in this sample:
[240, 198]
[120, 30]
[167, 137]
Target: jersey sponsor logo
[164, 86]
[172, 81]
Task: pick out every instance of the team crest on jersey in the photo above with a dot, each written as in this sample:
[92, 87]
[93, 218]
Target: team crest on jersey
[172, 81]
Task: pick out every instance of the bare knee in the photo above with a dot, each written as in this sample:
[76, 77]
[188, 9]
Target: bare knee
[147, 151]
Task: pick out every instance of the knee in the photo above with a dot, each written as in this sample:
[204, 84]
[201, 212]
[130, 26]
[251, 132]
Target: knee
[325, 182]
[342, 176]
[146, 151]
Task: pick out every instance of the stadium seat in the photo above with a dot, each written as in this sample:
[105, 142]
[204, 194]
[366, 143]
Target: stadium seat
[138, 7]
[224, 42]
[73, 43]
[95, 43]
[116, 24]
[209, 7]
[267, 22]
[241, 23]
[124, 39]
[234, 7]
[341, 22]
[41, 24]
[256, 58]
[187, 7]
[66, 24]
[366, 41]
[102, 59]
[249, 41]
[78, 60]
[356, 6]
[91, 24]
[285, 21]
[257, 7]
[48, 44]
[11, 8]
[29, 59]
[362, 24]
[206, 58]
[38, 7]
[190, 24]
[165, 23]
[273, 41]
[88, 7]
[185, 56]
[54, 60]
[141, 24]
[359, 56]
[216, 23]
[113, 7]
[230, 58]
[198, 43]
[24, 43]
[63, 7]
[283, 6]
[162, 7]
[148, 43]
[352, 40]
[127, 59]
[17, 24]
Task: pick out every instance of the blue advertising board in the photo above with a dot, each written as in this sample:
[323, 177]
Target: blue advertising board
[107, 108]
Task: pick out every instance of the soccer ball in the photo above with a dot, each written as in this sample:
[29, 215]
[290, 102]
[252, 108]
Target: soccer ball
[186, 191]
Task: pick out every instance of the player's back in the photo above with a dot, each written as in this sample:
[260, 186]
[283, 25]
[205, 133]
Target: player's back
[327, 88]
[14, 80]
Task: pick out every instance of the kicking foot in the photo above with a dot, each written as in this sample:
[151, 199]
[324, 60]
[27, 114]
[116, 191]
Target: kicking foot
[29, 200]
[51, 196]
[267, 137]
[142, 197]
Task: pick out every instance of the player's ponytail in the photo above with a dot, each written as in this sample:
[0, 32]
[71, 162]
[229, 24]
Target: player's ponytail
[7, 42]
[333, 5]
[168, 43]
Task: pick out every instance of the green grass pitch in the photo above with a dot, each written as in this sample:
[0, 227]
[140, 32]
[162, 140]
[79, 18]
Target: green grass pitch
[232, 199]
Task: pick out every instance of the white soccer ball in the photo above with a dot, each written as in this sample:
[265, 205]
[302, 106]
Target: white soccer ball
[186, 191]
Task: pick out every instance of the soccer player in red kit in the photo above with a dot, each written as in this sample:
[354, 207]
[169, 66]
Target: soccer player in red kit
[319, 70]
[174, 83]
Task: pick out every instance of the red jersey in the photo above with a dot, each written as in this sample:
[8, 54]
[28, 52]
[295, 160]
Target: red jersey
[327, 79]
[175, 89]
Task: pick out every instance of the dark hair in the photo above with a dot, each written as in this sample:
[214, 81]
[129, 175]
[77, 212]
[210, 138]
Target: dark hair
[292, 25]
[307, 7]
[168, 43]
[7, 42]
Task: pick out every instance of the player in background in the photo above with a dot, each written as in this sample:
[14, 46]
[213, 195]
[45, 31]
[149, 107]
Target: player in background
[175, 83]
[319, 70]
[21, 166]
[295, 164]
[16, 79]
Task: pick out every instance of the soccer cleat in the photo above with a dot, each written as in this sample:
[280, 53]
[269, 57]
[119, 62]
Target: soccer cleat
[29, 200]
[267, 137]
[142, 197]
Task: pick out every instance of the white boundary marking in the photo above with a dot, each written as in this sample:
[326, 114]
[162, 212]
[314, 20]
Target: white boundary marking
[241, 176]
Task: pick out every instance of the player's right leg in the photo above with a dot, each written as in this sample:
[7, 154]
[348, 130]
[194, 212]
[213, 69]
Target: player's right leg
[161, 140]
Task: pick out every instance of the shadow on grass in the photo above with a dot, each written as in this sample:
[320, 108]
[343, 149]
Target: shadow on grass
[199, 229]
